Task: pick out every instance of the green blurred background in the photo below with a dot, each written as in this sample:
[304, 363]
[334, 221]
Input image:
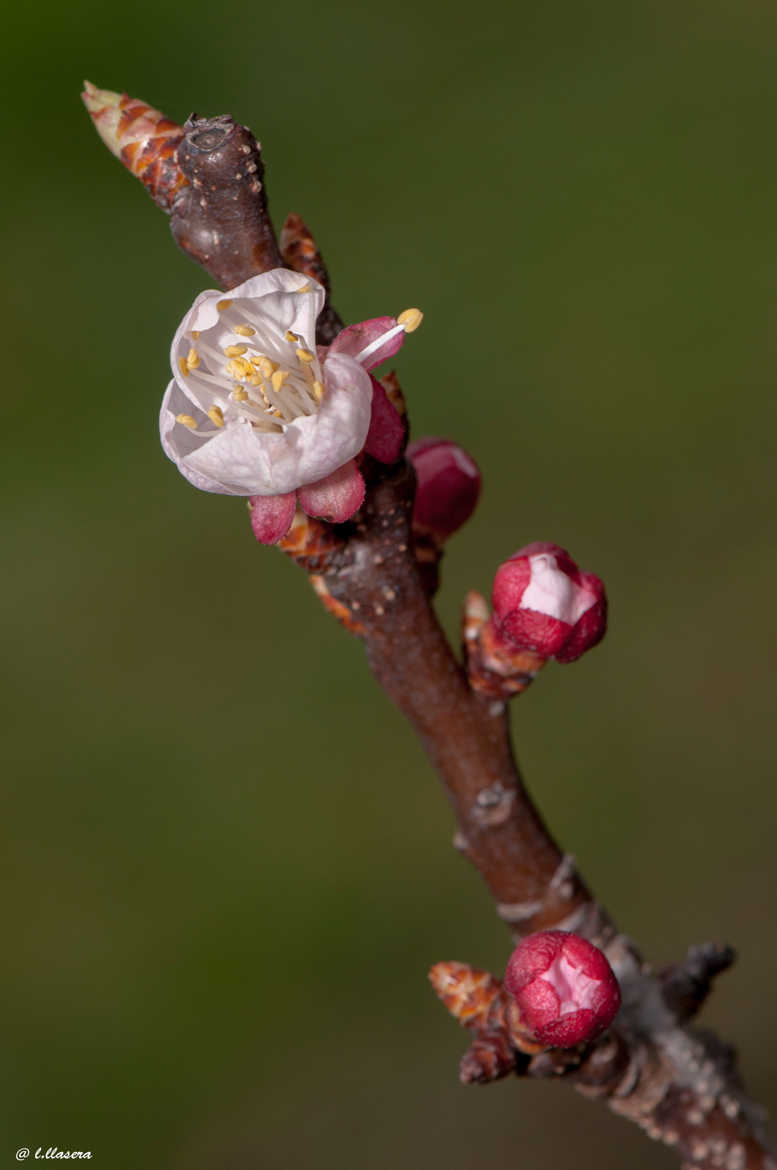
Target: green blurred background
[227, 864]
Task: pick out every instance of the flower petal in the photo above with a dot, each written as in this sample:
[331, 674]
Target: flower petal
[274, 295]
[337, 497]
[271, 516]
[354, 338]
[387, 431]
[178, 442]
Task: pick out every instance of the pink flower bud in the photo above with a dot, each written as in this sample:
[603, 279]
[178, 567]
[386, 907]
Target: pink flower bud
[448, 486]
[543, 602]
[564, 988]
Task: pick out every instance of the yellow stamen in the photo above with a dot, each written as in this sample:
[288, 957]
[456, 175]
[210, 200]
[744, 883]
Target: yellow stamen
[193, 359]
[410, 319]
[277, 413]
[195, 333]
[318, 391]
[266, 367]
[291, 336]
[238, 368]
[304, 288]
[278, 378]
[305, 355]
[183, 367]
[244, 330]
[235, 350]
[222, 305]
[216, 415]
[256, 379]
[239, 394]
[186, 420]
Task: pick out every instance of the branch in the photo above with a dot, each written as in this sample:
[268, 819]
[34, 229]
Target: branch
[678, 1084]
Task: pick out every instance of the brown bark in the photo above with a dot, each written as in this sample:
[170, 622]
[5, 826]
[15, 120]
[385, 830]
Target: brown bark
[220, 218]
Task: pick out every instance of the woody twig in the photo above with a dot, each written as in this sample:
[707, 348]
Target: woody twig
[376, 570]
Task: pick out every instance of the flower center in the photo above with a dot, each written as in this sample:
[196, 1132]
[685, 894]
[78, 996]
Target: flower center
[258, 377]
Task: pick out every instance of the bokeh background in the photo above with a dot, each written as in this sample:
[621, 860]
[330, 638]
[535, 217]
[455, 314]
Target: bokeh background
[227, 866]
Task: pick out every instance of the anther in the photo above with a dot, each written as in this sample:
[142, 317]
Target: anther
[291, 336]
[234, 351]
[303, 289]
[216, 416]
[278, 378]
[222, 305]
[410, 319]
[318, 391]
[305, 355]
[192, 359]
[244, 330]
[238, 368]
[195, 334]
[186, 420]
[239, 394]
[182, 365]
[265, 366]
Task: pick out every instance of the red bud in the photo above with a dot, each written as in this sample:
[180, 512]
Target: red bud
[564, 988]
[448, 486]
[543, 602]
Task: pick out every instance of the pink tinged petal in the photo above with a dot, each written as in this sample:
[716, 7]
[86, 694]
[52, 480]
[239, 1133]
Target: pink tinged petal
[553, 589]
[387, 431]
[337, 497]
[356, 338]
[271, 516]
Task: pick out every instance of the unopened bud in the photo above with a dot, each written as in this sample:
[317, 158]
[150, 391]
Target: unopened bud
[543, 602]
[564, 988]
[448, 486]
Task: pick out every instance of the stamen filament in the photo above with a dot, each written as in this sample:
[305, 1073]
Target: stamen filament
[379, 342]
